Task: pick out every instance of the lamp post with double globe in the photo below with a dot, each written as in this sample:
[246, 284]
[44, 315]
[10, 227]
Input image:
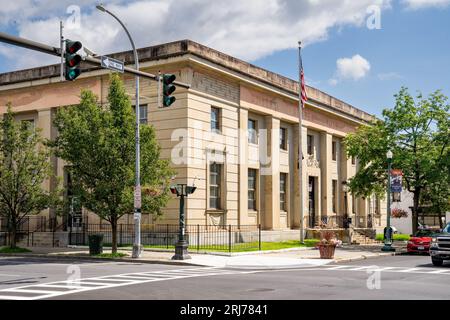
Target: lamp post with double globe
[388, 230]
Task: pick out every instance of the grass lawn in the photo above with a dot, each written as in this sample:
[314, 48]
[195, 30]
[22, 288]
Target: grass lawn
[14, 250]
[397, 237]
[245, 247]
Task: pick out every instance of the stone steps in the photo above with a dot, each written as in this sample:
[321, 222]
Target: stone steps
[359, 238]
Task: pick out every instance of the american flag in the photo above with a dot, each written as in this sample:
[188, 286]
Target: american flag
[302, 83]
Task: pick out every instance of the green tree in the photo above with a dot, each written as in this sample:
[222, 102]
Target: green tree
[24, 166]
[417, 132]
[98, 142]
[436, 195]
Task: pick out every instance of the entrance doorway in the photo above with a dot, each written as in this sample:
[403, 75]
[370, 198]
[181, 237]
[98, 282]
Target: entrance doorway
[312, 201]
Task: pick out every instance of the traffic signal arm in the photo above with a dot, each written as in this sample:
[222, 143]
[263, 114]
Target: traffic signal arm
[54, 51]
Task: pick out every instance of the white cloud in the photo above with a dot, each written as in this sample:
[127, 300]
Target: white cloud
[248, 29]
[389, 76]
[420, 4]
[354, 68]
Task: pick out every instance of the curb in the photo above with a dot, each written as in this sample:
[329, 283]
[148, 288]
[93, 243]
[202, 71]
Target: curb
[364, 257]
[87, 258]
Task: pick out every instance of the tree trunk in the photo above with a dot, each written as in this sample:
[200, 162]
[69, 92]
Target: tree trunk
[13, 237]
[114, 235]
[415, 211]
[441, 223]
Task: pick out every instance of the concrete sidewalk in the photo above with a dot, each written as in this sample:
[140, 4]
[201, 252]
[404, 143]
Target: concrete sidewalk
[276, 259]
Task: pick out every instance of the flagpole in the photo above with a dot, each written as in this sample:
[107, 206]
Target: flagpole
[300, 148]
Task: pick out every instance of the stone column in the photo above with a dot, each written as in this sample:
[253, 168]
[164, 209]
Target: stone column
[325, 170]
[44, 123]
[243, 167]
[272, 175]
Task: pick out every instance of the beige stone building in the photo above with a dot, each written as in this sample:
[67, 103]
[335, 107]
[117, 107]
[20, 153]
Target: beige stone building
[235, 131]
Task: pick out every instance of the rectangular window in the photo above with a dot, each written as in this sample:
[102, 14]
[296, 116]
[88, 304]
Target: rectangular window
[283, 181]
[252, 132]
[377, 205]
[283, 138]
[143, 113]
[215, 119]
[29, 124]
[353, 160]
[215, 179]
[310, 143]
[333, 150]
[251, 189]
[334, 195]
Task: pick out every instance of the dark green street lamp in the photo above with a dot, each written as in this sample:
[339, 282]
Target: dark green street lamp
[388, 230]
[181, 247]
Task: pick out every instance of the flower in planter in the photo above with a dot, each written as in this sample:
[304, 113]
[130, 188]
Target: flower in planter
[328, 238]
[399, 213]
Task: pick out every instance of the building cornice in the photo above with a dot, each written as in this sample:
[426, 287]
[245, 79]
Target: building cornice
[186, 47]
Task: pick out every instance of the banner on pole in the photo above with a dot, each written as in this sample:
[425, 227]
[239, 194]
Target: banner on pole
[396, 180]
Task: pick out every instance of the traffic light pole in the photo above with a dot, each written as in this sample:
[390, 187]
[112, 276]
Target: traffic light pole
[61, 28]
[137, 247]
[36, 46]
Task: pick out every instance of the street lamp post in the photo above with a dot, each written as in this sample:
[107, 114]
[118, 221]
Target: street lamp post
[137, 247]
[346, 221]
[388, 230]
[181, 247]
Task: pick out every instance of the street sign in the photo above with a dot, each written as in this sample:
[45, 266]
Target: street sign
[112, 64]
[396, 180]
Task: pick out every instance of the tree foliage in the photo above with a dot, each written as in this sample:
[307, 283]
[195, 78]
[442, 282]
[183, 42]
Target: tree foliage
[98, 142]
[417, 132]
[24, 166]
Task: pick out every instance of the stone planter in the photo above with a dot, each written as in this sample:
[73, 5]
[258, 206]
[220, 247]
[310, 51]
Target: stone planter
[327, 251]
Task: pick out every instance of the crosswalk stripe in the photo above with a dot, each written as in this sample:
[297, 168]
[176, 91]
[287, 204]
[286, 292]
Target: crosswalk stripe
[14, 298]
[336, 267]
[27, 291]
[409, 270]
[439, 271]
[362, 268]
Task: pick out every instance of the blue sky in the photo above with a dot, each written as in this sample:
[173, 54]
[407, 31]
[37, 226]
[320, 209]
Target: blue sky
[411, 49]
[341, 55]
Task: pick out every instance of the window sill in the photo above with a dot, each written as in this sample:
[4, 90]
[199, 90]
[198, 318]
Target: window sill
[216, 211]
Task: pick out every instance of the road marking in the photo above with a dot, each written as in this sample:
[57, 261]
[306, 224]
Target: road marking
[410, 270]
[363, 268]
[439, 271]
[335, 267]
[19, 290]
[105, 282]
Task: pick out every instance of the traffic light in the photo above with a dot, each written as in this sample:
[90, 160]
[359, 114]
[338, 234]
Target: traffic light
[72, 60]
[168, 89]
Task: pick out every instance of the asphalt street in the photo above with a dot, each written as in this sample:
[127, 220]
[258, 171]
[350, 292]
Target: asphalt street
[396, 277]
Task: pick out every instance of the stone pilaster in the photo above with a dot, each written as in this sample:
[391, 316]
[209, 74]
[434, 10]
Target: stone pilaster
[325, 168]
[272, 175]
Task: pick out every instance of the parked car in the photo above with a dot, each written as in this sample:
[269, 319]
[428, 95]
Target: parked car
[440, 247]
[421, 241]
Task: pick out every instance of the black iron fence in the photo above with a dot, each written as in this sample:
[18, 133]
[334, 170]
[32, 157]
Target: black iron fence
[200, 237]
[27, 224]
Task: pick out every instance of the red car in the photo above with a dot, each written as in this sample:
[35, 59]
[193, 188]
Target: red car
[420, 242]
